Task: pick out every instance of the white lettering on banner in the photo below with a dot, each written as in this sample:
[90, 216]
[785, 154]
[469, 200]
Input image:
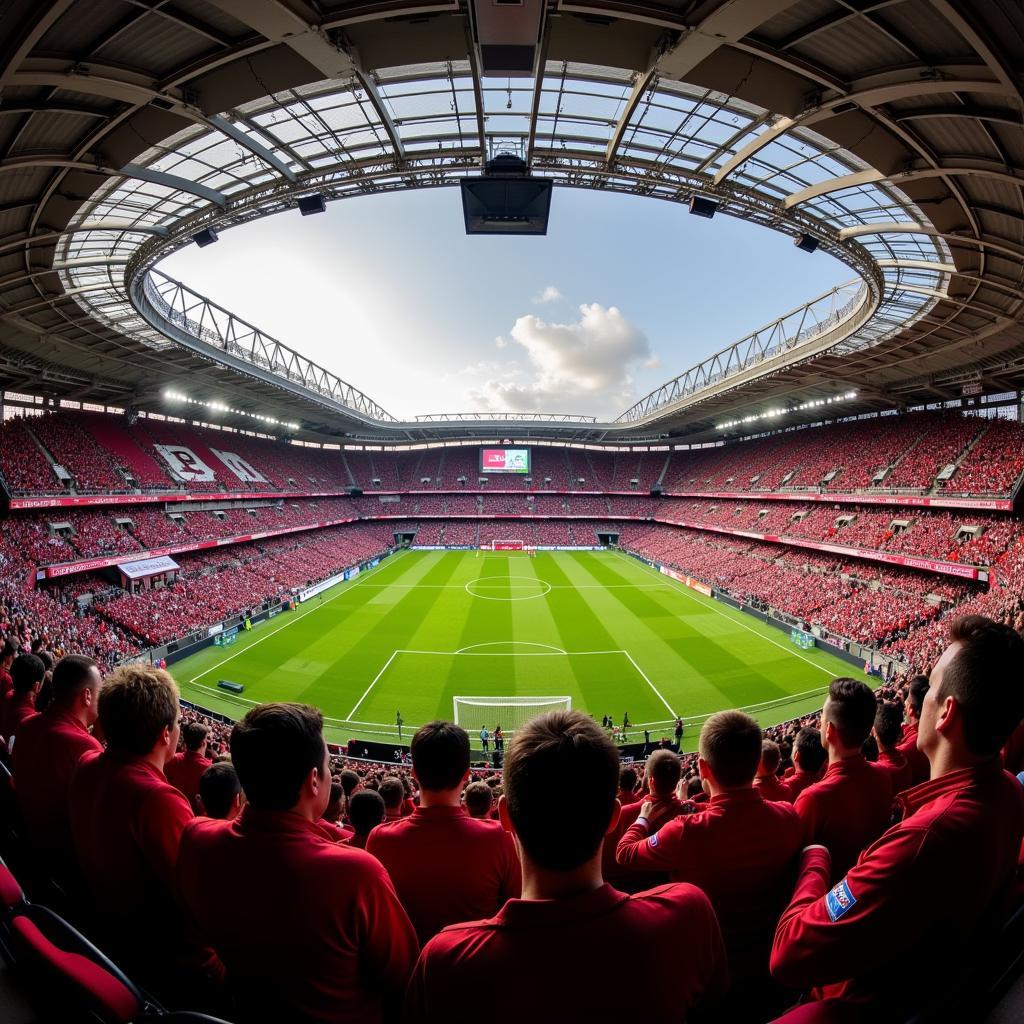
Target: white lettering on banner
[242, 469]
[184, 463]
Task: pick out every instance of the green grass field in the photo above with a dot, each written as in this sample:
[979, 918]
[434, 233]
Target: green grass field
[425, 626]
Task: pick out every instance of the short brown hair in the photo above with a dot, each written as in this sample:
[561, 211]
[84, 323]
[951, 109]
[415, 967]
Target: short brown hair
[392, 792]
[273, 749]
[984, 680]
[137, 702]
[664, 769]
[851, 709]
[770, 756]
[440, 755]
[478, 797]
[730, 742]
[71, 675]
[561, 779]
[193, 734]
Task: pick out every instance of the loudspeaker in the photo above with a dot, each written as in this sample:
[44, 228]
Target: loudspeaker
[355, 492]
[806, 242]
[657, 491]
[701, 207]
[205, 237]
[312, 204]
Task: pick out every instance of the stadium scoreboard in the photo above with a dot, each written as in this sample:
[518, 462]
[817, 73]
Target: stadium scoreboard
[505, 460]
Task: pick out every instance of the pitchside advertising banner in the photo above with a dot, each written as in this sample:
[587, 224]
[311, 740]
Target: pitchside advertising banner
[693, 584]
[504, 460]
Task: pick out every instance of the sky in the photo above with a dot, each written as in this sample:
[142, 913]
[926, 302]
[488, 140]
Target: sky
[389, 293]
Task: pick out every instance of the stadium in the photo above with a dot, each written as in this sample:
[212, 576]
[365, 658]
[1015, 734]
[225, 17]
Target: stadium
[312, 712]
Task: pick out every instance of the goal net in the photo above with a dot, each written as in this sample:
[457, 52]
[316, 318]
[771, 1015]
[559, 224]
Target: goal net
[506, 545]
[476, 713]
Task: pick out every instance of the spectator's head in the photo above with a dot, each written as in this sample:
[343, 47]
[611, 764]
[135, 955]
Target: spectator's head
[195, 735]
[915, 698]
[365, 811]
[440, 760]
[392, 792]
[847, 717]
[27, 673]
[730, 750]
[478, 797]
[809, 752]
[663, 771]
[282, 760]
[560, 827]
[975, 698]
[8, 652]
[770, 757]
[888, 725]
[694, 786]
[220, 793]
[336, 804]
[75, 687]
[627, 780]
[349, 782]
[139, 712]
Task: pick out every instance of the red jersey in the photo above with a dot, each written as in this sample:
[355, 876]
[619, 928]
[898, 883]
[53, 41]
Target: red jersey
[632, 879]
[1013, 752]
[184, 771]
[446, 866]
[127, 820]
[771, 787]
[900, 773]
[309, 929]
[845, 939]
[6, 683]
[47, 751]
[561, 950]
[850, 808]
[798, 781]
[919, 767]
[14, 711]
[742, 851]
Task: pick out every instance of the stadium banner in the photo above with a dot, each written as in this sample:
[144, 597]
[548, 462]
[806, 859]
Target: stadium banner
[81, 501]
[184, 464]
[245, 471]
[918, 501]
[88, 564]
[967, 572]
[319, 588]
[147, 567]
[688, 581]
[215, 629]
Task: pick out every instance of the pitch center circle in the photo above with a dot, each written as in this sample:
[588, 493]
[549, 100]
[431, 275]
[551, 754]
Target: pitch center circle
[494, 582]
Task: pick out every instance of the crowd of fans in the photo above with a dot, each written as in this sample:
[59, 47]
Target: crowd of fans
[887, 453]
[244, 870]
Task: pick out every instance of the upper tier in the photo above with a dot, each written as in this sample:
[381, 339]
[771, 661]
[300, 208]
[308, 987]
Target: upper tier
[924, 458]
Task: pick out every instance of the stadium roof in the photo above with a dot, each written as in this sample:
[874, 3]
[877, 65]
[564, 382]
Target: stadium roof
[891, 131]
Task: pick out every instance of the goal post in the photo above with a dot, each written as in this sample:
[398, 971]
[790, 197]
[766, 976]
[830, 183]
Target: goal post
[507, 545]
[476, 713]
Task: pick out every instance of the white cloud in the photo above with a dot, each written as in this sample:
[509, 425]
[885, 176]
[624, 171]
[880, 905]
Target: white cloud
[550, 294]
[582, 367]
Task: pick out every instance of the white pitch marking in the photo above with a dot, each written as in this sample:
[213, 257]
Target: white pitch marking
[643, 675]
[366, 692]
[510, 643]
[713, 607]
[292, 620]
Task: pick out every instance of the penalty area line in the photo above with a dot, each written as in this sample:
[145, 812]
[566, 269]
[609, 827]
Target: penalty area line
[366, 692]
[644, 677]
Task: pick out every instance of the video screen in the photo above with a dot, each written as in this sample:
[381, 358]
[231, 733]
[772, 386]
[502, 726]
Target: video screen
[504, 460]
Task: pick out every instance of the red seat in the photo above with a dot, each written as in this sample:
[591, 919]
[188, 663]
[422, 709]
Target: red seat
[73, 973]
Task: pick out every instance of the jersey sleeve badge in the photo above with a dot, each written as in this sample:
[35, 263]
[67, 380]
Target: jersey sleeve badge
[839, 900]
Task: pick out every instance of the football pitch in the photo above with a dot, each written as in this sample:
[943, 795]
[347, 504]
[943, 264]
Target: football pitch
[599, 627]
